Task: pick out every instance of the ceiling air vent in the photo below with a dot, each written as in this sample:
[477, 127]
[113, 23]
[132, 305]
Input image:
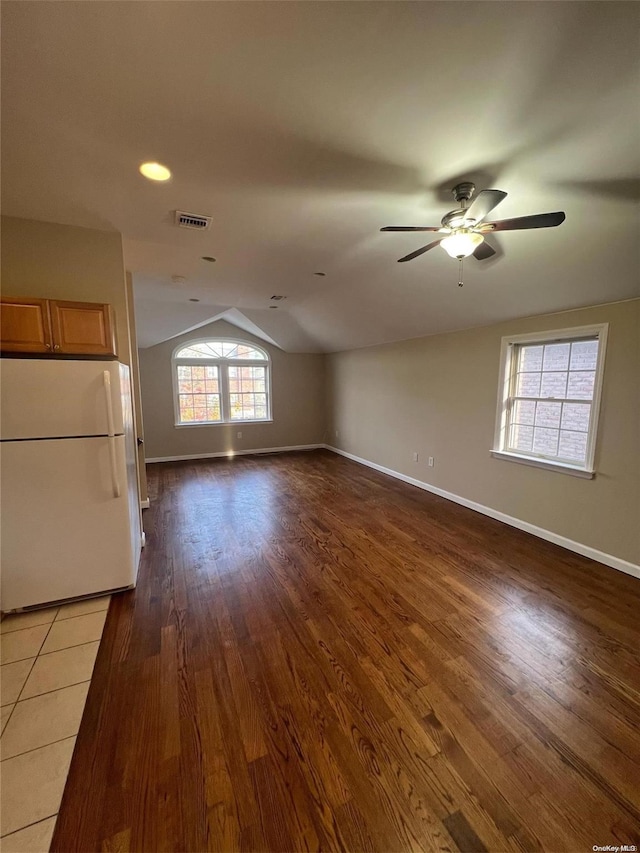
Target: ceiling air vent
[192, 220]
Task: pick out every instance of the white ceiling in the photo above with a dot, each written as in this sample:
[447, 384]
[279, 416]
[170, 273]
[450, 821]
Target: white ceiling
[303, 127]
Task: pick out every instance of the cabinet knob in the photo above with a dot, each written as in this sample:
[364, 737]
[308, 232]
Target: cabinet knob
[56, 346]
[48, 346]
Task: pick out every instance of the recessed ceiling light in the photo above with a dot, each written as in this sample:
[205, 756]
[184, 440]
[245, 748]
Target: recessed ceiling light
[178, 279]
[209, 259]
[155, 171]
[194, 300]
[273, 306]
[319, 273]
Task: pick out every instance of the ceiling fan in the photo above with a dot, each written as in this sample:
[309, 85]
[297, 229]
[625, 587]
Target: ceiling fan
[465, 227]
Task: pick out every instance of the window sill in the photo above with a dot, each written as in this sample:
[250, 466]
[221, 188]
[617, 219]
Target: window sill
[224, 423]
[560, 467]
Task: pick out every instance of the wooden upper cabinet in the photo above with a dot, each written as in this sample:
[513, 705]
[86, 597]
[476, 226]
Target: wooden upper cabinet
[25, 326]
[56, 327]
[81, 328]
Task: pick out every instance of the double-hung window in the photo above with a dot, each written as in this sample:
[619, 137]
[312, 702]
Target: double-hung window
[549, 398]
[219, 381]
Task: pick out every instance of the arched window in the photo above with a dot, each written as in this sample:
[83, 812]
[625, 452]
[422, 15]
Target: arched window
[221, 381]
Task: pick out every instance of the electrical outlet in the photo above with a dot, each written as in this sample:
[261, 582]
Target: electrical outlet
[239, 435]
[415, 457]
[431, 462]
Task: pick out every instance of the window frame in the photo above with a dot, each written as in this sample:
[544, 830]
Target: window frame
[508, 361]
[223, 380]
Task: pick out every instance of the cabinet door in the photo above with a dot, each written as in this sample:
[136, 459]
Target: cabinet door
[82, 328]
[24, 325]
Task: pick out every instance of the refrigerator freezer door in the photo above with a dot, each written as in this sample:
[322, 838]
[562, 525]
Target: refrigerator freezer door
[55, 399]
[64, 534]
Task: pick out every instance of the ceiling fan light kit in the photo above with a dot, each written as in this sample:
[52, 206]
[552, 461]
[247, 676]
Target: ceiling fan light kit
[461, 243]
[465, 227]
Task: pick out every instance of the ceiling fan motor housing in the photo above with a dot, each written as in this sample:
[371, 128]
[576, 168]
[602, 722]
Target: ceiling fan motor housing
[464, 191]
[454, 219]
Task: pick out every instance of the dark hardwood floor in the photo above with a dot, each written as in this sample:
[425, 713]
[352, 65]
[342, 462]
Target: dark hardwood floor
[318, 656]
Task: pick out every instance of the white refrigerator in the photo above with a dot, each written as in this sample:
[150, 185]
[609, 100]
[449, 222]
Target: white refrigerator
[70, 508]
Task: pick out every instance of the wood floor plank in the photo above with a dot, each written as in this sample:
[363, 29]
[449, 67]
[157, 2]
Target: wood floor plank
[319, 657]
[463, 834]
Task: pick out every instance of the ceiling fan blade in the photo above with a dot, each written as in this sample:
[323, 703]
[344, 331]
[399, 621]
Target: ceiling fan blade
[483, 204]
[539, 220]
[419, 251]
[484, 251]
[411, 228]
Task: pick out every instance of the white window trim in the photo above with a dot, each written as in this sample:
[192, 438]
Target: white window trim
[222, 379]
[506, 365]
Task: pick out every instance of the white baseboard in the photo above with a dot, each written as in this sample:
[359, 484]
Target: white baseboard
[145, 504]
[569, 544]
[231, 453]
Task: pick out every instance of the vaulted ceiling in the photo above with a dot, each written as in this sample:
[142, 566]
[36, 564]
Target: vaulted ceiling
[301, 128]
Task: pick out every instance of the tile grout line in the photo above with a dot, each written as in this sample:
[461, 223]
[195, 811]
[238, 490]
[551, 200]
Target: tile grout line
[62, 648]
[79, 615]
[76, 646]
[44, 654]
[55, 621]
[30, 670]
[16, 630]
[55, 689]
[34, 662]
[42, 746]
[17, 614]
[27, 825]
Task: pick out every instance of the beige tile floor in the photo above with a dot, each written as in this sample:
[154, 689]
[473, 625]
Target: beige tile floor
[47, 659]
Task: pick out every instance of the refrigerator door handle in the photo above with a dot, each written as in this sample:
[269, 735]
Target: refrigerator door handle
[115, 480]
[107, 393]
[111, 433]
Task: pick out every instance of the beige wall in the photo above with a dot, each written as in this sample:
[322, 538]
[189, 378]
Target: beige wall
[298, 406]
[53, 261]
[438, 395]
